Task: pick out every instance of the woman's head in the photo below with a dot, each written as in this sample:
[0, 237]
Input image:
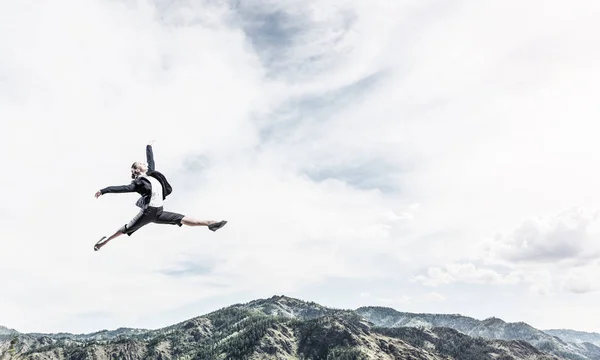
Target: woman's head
[138, 168]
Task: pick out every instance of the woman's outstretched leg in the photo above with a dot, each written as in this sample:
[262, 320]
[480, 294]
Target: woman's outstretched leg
[142, 218]
[189, 221]
[102, 243]
[212, 225]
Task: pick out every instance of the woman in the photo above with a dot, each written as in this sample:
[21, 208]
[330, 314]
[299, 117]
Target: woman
[154, 188]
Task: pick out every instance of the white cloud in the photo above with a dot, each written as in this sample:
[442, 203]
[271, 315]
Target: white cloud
[467, 273]
[79, 107]
[581, 279]
[316, 146]
[547, 255]
[434, 296]
[540, 281]
[571, 235]
[553, 253]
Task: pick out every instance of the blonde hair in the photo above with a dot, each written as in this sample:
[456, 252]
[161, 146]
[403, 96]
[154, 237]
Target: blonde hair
[139, 167]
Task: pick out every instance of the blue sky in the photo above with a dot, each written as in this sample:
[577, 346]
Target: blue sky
[431, 156]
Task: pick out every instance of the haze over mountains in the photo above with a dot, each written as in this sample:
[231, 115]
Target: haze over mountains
[281, 327]
[575, 336]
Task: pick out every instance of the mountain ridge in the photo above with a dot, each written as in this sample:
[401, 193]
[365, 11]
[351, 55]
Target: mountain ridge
[7, 331]
[489, 328]
[575, 335]
[282, 327]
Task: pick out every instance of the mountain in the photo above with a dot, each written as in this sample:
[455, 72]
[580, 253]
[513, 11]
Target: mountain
[99, 335]
[491, 328]
[457, 345]
[245, 331]
[292, 308]
[388, 317]
[7, 331]
[575, 336]
[278, 328]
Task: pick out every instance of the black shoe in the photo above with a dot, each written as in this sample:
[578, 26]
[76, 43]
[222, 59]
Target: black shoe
[97, 246]
[217, 226]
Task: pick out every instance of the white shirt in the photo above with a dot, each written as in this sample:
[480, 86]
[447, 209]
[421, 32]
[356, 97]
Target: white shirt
[156, 200]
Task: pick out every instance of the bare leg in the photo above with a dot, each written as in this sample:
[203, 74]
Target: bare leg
[212, 225]
[113, 236]
[195, 222]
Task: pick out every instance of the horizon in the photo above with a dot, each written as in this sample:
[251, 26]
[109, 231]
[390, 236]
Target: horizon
[430, 156]
[292, 298]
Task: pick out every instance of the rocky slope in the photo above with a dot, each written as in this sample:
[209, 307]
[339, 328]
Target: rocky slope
[274, 328]
[492, 328]
[236, 332]
[7, 331]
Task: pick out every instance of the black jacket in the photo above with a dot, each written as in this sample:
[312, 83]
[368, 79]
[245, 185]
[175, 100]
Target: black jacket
[140, 185]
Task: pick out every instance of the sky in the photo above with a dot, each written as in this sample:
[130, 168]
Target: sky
[430, 156]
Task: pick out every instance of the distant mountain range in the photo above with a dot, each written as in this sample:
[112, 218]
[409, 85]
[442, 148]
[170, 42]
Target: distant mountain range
[575, 336]
[281, 327]
[552, 342]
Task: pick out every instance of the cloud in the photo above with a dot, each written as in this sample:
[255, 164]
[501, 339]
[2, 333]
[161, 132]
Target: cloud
[558, 252]
[80, 106]
[539, 281]
[581, 279]
[571, 235]
[433, 296]
[463, 272]
[546, 255]
[187, 268]
[314, 127]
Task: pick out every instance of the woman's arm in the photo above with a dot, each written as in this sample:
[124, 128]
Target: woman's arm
[117, 189]
[150, 156]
